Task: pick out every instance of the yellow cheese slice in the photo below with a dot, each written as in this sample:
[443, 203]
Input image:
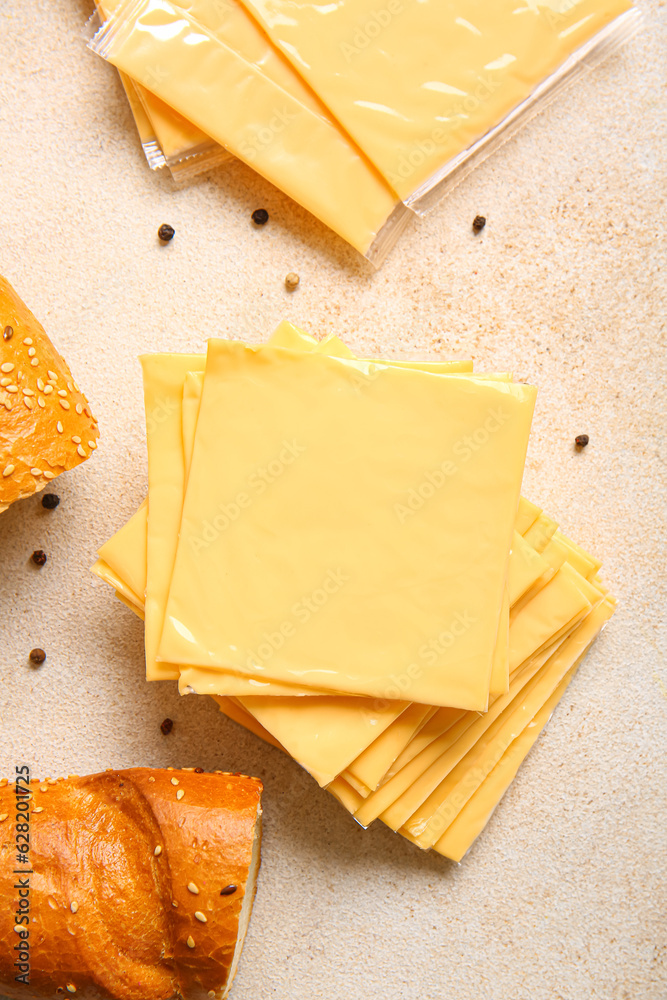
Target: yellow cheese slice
[554, 611]
[192, 388]
[429, 822]
[526, 567]
[371, 766]
[131, 605]
[526, 515]
[398, 798]
[104, 572]
[346, 795]
[540, 533]
[234, 711]
[129, 541]
[299, 150]
[307, 578]
[164, 375]
[475, 814]
[416, 84]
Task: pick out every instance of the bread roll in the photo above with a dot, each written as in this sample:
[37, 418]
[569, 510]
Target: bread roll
[46, 425]
[132, 888]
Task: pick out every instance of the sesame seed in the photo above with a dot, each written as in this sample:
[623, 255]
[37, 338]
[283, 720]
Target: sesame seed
[200, 917]
[7, 366]
[40, 384]
[211, 994]
[52, 781]
[30, 403]
[48, 389]
[36, 472]
[5, 381]
[71, 988]
[81, 451]
[59, 427]
[38, 809]
[92, 445]
[52, 375]
[193, 888]
[17, 928]
[190, 942]
[27, 392]
[76, 439]
[175, 781]
[8, 333]
[179, 794]
[28, 341]
[43, 788]
[12, 388]
[49, 475]
[8, 405]
[62, 392]
[3, 817]
[31, 352]
[74, 906]
[174, 903]
[151, 778]
[41, 402]
[64, 404]
[79, 408]
[8, 469]
[34, 362]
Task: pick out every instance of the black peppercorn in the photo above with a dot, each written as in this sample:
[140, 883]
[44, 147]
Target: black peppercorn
[39, 557]
[478, 223]
[167, 726]
[37, 655]
[260, 216]
[228, 890]
[8, 333]
[166, 233]
[50, 501]
[581, 440]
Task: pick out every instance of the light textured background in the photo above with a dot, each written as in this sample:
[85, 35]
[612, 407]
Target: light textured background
[564, 894]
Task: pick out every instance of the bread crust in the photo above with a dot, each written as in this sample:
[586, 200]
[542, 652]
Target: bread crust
[46, 425]
[108, 915]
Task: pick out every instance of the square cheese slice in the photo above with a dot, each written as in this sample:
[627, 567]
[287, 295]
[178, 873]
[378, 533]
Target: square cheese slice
[311, 550]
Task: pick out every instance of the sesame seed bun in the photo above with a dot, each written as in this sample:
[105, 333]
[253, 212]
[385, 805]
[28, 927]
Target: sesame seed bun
[141, 884]
[46, 426]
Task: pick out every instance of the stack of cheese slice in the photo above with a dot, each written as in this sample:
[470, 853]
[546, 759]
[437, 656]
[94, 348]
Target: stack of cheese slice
[338, 552]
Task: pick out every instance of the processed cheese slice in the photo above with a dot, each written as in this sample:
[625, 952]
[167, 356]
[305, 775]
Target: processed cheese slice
[429, 822]
[399, 797]
[104, 572]
[475, 814]
[125, 552]
[416, 84]
[526, 515]
[462, 832]
[371, 766]
[296, 148]
[330, 420]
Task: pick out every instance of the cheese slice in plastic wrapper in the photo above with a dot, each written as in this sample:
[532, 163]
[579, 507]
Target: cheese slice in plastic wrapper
[426, 88]
[304, 153]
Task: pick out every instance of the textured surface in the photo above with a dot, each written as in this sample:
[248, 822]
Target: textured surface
[562, 896]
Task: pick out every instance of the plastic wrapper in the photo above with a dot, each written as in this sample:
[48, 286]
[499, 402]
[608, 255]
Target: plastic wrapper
[301, 151]
[427, 89]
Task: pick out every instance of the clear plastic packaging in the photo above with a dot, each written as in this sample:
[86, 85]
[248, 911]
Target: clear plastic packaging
[293, 145]
[167, 138]
[428, 89]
